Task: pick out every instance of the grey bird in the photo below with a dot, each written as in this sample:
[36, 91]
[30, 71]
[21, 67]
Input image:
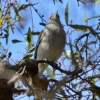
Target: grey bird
[51, 42]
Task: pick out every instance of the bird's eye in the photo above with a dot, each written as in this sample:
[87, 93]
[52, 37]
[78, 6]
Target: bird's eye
[50, 17]
[57, 15]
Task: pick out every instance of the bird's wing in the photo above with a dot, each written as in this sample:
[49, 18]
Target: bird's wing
[38, 43]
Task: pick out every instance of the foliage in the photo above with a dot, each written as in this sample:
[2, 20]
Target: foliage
[77, 74]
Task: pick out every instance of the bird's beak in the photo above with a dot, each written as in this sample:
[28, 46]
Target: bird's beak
[57, 12]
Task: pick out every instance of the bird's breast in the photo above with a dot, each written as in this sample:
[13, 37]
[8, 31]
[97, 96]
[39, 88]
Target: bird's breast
[52, 44]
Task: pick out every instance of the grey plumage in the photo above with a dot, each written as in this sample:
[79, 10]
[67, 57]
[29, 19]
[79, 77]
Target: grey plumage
[51, 42]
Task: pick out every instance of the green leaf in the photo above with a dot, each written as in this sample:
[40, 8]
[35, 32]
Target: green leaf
[61, 1]
[35, 33]
[77, 83]
[85, 18]
[31, 50]
[29, 35]
[88, 43]
[3, 48]
[72, 55]
[54, 1]
[1, 22]
[97, 16]
[84, 28]
[12, 28]
[81, 27]
[90, 49]
[28, 56]
[1, 10]
[29, 38]
[16, 11]
[9, 54]
[23, 7]
[43, 24]
[16, 41]
[9, 20]
[66, 14]
[97, 2]
[7, 34]
[62, 92]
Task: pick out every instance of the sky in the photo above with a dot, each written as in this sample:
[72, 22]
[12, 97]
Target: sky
[46, 7]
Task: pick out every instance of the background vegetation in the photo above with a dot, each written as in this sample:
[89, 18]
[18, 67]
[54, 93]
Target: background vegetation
[75, 76]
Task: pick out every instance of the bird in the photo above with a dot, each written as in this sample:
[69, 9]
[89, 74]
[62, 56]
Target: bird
[51, 42]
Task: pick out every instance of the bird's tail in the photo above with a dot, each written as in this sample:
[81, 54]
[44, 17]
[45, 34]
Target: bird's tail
[41, 68]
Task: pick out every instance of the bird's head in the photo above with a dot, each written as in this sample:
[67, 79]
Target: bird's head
[54, 17]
